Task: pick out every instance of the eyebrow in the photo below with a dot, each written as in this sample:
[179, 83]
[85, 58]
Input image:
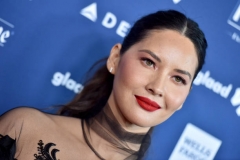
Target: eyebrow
[151, 54]
[159, 60]
[183, 72]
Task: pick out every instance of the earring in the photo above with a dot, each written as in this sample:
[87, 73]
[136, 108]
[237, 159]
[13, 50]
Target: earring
[111, 70]
[180, 107]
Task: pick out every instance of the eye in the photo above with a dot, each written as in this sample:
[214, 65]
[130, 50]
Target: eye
[148, 62]
[179, 79]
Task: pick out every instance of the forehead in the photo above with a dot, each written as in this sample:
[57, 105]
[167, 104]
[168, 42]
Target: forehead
[166, 37]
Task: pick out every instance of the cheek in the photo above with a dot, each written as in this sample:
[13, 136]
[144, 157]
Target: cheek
[129, 74]
[175, 98]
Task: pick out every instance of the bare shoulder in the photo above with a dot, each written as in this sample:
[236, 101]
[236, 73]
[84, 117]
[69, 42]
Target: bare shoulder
[21, 113]
[68, 124]
[13, 121]
[31, 119]
[29, 126]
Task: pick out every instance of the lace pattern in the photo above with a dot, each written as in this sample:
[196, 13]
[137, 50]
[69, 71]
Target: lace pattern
[44, 152]
[7, 148]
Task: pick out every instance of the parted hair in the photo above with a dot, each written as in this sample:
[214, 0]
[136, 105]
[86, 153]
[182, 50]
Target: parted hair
[97, 89]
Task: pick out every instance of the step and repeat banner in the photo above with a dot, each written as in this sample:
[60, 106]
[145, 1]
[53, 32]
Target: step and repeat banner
[47, 47]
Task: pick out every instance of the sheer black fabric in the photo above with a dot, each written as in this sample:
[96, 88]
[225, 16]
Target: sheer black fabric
[7, 148]
[132, 146]
[44, 152]
[107, 127]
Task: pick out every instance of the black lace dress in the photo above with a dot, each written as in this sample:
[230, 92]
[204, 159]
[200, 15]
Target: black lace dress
[104, 124]
[7, 148]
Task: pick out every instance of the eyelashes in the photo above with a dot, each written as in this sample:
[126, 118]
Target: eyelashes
[179, 79]
[149, 63]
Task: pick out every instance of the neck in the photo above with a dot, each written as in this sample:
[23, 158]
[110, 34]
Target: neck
[105, 128]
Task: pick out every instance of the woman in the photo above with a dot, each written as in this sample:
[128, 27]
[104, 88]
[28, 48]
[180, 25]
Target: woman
[145, 80]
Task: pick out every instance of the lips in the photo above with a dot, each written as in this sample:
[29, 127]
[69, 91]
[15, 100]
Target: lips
[147, 104]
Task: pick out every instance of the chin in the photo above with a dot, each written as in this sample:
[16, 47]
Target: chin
[141, 121]
[146, 120]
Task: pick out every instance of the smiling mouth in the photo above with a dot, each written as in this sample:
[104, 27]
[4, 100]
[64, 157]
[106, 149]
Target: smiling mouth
[147, 104]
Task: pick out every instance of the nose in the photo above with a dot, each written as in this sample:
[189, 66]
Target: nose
[156, 86]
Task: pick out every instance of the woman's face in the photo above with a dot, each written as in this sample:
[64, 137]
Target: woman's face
[152, 78]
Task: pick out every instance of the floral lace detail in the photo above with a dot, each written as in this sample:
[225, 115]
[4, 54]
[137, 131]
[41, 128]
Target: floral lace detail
[43, 151]
[7, 147]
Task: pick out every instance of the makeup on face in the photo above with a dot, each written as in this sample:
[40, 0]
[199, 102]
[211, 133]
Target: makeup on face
[147, 104]
[157, 69]
[154, 56]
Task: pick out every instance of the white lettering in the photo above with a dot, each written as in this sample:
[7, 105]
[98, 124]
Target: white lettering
[205, 77]
[109, 20]
[217, 87]
[238, 111]
[212, 84]
[198, 79]
[235, 100]
[66, 77]
[209, 83]
[78, 88]
[236, 15]
[70, 84]
[226, 90]
[198, 147]
[190, 154]
[4, 35]
[1, 30]
[64, 80]
[57, 79]
[123, 28]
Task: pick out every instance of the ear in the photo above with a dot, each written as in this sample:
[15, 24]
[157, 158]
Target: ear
[114, 58]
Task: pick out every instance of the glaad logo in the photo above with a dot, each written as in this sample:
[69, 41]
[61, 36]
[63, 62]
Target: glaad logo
[4, 34]
[212, 84]
[218, 88]
[109, 21]
[60, 79]
[176, 1]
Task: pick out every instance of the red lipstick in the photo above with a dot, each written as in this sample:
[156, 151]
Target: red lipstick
[147, 104]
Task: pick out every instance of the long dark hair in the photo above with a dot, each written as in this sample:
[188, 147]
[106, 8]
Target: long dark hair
[98, 88]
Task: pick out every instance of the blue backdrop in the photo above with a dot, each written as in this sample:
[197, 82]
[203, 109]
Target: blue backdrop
[46, 47]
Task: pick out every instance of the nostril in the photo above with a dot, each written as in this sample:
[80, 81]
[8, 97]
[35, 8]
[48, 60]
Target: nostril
[158, 92]
[151, 91]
